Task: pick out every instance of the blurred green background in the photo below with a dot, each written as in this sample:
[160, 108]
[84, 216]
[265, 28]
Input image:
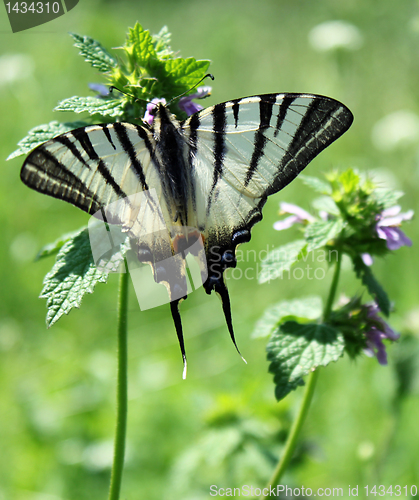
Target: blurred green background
[222, 425]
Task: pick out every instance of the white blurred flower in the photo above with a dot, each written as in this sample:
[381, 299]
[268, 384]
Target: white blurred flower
[15, 67]
[102, 365]
[332, 35]
[23, 248]
[396, 129]
[98, 456]
[412, 320]
[10, 334]
[366, 450]
[413, 24]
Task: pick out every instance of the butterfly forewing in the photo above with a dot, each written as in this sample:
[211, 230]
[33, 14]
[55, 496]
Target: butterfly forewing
[93, 166]
[264, 141]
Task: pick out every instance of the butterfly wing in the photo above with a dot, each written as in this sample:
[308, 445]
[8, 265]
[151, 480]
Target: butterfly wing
[233, 156]
[112, 171]
[93, 166]
[104, 169]
[242, 151]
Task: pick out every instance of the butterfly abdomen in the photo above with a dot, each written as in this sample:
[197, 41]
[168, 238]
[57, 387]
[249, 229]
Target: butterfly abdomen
[174, 171]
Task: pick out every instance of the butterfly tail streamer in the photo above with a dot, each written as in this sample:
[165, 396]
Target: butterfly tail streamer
[174, 308]
[222, 291]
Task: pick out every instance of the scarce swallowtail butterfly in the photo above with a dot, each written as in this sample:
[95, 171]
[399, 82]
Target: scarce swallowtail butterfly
[212, 172]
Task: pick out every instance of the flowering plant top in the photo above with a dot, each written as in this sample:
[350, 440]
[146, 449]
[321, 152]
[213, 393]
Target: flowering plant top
[366, 219]
[148, 69]
[354, 218]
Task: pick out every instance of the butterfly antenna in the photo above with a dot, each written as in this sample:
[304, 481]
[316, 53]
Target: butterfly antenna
[112, 87]
[174, 308]
[221, 290]
[208, 75]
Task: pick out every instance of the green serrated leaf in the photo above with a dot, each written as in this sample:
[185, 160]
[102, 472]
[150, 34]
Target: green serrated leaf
[296, 349]
[161, 43]
[38, 135]
[318, 185]
[327, 204]
[319, 233]
[92, 105]
[183, 74]
[374, 288]
[309, 308]
[387, 197]
[94, 53]
[140, 46]
[73, 275]
[54, 247]
[280, 260]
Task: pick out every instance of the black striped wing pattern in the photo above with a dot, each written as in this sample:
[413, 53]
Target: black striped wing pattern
[247, 149]
[212, 172]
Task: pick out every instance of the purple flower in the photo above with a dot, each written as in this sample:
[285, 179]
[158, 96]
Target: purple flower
[378, 330]
[367, 259]
[299, 215]
[151, 110]
[388, 228]
[189, 107]
[103, 90]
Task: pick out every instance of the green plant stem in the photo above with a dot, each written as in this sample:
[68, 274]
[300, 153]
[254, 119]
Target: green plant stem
[121, 391]
[294, 432]
[333, 288]
[307, 397]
